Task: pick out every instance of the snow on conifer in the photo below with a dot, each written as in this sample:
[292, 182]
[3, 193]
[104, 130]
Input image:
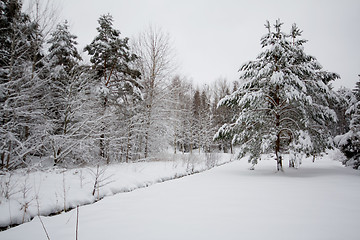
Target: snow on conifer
[62, 94]
[349, 143]
[117, 87]
[283, 100]
[21, 87]
[112, 59]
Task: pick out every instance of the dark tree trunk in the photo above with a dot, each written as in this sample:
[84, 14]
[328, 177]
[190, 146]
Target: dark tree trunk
[279, 163]
[102, 136]
[102, 145]
[277, 122]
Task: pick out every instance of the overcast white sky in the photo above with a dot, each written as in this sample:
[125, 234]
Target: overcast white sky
[213, 38]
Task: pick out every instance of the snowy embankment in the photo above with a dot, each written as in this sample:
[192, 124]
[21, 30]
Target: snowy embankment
[25, 194]
[318, 201]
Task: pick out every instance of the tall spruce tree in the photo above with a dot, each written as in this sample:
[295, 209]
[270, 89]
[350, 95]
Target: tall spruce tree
[283, 100]
[62, 91]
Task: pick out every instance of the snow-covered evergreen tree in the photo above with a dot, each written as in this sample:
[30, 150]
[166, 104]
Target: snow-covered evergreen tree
[222, 114]
[197, 121]
[113, 65]
[356, 90]
[283, 100]
[202, 117]
[112, 60]
[349, 143]
[206, 120]
[62, 89]
[21, 84]
[62, 50]
[346, 99]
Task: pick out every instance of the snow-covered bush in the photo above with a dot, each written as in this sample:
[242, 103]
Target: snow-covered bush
[349, 144]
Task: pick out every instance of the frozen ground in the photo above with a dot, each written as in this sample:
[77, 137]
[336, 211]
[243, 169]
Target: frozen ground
[27, 193]
[318, 201]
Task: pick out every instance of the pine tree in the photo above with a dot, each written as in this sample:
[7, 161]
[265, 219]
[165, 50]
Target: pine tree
[349, 143]
[112, 62]
[283, 100]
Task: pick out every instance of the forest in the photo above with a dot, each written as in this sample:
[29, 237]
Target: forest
[78, 125]
[122, 106]
[126, 103]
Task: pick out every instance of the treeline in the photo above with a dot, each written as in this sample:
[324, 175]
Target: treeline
[126, 104]
[129, 103]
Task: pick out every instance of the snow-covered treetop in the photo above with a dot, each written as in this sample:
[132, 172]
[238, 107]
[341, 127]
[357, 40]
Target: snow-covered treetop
[62, 50]
[110, 52]
[113, 62]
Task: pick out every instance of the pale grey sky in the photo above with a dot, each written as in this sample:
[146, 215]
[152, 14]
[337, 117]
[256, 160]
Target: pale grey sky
[213, 38]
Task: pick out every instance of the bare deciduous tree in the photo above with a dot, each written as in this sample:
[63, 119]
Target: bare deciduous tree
[156, 64]
[45, 13]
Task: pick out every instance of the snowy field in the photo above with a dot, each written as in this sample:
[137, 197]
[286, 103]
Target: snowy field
[318, 201]
[27, 193]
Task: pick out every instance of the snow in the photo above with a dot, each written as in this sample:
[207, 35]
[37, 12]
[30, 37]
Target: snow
[277, 77]
[318, 201]
[50, 191]
[342, 140]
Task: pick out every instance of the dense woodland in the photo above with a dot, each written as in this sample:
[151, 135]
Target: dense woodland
[129, 102]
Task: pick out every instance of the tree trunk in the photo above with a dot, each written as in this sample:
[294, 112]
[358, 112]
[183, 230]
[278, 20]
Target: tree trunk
[8, 157]
[2, 160]
[292, 163]
[146, 144]
[277, 153]
[279, 164]
[277, 123]
[56, 156]
[175, 143]
[102, 145]
[128, 145]
[148, 125]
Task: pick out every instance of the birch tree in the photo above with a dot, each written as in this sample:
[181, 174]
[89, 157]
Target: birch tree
[156, 65]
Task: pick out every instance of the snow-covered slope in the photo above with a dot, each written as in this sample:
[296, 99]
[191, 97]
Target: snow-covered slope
[318, 201]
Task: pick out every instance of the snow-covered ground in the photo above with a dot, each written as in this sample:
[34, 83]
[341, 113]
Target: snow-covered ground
[26, 193]
[318, 201]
